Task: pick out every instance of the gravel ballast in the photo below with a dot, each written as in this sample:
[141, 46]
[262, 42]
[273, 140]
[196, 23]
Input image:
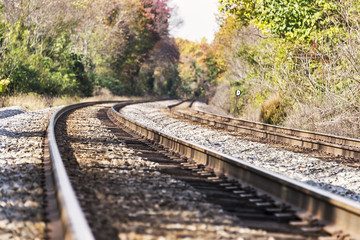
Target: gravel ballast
[21, 191]
[330, 176]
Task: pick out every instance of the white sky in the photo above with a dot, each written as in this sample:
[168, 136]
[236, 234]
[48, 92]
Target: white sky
[198, 19]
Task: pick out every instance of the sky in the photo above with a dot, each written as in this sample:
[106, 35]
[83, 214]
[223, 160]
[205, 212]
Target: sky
[198, 18]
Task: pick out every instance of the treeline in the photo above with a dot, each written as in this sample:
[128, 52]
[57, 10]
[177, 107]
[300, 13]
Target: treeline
[295, 62]
[69, 47]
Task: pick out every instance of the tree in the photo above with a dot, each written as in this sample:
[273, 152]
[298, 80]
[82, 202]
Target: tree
[288, 19]
[67, 47]
[200, 67]
[300, 57]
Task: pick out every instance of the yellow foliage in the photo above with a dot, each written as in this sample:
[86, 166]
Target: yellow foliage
[81, 3]
[3, 85]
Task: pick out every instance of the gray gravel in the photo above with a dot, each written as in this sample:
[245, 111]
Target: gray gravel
[21, 193]
[11, 111]
[330, 176]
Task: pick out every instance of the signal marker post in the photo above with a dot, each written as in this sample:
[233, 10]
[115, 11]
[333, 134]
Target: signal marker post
[237, 94]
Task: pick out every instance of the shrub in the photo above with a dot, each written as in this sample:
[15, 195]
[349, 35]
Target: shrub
[273, 110]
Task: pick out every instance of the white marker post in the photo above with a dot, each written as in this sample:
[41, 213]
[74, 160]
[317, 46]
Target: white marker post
[237, 94]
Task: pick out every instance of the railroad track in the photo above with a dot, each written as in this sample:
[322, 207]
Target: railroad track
[134, 182]
[335, 145]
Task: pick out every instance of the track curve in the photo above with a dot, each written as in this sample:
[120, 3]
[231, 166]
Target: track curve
[73, 223]
[156, 157]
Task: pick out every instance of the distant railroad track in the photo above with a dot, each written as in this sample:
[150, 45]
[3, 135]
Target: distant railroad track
[108, 182]
[336, 145]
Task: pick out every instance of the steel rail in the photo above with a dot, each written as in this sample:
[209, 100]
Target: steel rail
[291, 131]
[73, 220]
[337, 212]
[179, 103]
[342, 146]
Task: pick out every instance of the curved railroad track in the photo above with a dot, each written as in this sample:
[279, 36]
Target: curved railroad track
[115, 178]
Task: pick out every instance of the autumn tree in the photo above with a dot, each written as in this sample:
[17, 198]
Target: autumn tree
[37, 52]
[298, 57]
[70, 46]
[200, 67]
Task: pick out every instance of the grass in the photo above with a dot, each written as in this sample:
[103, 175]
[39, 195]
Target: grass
[33, 101]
